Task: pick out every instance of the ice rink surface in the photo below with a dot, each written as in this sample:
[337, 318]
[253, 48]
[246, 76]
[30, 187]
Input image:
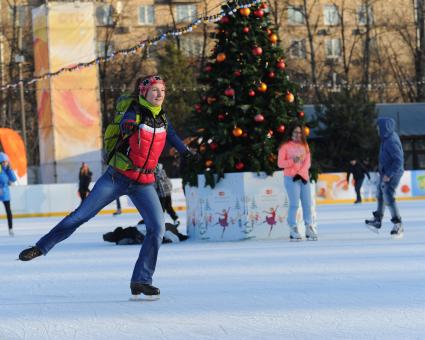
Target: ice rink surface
[351, 284]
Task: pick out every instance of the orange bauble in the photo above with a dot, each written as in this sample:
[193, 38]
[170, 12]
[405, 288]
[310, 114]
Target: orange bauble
[221, 57]
[307, 131]
[405, 189]
[237, 132]
[262, 87]
[202, 148]
[273, 38]
[209, 163]
[245, 12]
[289, 97]
[211, 100]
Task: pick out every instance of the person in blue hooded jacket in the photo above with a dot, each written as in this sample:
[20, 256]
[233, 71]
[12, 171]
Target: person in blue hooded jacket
[390, 167]
[7, 176]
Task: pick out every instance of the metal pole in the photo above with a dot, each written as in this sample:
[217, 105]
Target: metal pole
[21, 89]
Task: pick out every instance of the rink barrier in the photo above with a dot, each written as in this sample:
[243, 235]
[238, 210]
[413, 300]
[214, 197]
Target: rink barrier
[44, 200]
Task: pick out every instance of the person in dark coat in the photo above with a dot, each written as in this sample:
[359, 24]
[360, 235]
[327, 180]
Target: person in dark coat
[7, 176]
[391, 168]
[84, 180]
[164, 188]
[359, 171]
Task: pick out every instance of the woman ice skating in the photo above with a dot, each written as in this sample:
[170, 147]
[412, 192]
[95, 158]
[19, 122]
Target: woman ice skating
[144, 129]
[294, 158]
[7, 176]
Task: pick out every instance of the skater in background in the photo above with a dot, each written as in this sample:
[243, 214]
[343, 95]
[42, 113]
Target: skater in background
[144, 131]
[164, 188]
[391, 168]
[84, 180]
[294, 158]
[358, 169]
[7, 176]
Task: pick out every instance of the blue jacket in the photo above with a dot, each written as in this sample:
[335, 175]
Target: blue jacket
[391, 158]
[7, 175]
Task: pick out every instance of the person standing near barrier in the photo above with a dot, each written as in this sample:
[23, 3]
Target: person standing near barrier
[144, 129]
[391, 168]
[359, 171]
[164, 187]
[294, 158]
[7, 176]
[84, 179]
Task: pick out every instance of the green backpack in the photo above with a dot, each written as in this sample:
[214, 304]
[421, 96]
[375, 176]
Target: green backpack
[113, 139]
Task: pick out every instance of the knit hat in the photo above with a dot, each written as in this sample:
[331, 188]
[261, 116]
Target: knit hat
[147, 83]
[3, 157]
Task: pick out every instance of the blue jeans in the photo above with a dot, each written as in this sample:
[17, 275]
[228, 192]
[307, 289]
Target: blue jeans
[108, 188]
[297, 191]
[385, 195]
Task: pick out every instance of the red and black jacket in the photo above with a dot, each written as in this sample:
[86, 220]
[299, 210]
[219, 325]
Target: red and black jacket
[145, 145]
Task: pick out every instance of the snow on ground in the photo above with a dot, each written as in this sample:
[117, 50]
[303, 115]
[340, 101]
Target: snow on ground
[351, 284]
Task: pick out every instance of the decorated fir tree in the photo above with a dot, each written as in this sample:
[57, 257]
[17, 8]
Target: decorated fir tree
[248, 99]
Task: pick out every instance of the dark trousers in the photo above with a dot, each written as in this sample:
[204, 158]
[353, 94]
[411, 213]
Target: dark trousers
[357, 186]
[83, 194]
[8, 213]
[167, 206]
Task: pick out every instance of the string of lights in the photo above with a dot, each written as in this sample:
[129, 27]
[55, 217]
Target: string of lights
[140, 46]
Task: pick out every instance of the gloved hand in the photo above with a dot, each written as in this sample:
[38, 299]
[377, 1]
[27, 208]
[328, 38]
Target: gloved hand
[128, 126]
[190, 155]
[299, 178]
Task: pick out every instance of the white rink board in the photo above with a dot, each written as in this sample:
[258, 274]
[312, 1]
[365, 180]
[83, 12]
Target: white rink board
[241, 206]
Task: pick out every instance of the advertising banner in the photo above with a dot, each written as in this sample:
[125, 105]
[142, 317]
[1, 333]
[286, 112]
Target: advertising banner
[241, 206]
[68, 104]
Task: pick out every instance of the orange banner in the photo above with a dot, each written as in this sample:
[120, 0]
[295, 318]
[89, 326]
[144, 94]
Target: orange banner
[14, 147]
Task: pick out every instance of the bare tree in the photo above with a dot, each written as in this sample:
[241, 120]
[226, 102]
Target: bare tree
[408, 26]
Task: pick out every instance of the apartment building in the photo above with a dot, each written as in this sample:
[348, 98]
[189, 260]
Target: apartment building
[359, 43]
[329, 44]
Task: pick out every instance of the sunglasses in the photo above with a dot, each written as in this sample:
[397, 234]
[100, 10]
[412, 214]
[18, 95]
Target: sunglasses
[148, 80]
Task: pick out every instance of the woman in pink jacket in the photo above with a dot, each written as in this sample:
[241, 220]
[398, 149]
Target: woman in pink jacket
[294, 158]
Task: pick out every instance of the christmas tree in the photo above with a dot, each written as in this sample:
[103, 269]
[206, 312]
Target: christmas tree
[248, 99]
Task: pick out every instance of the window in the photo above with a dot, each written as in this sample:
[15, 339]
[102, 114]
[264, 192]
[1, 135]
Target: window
[191, 46]
[364, 13]
[146, 15]
[331, 15]
[100, 48]
[296, 15]
[297, 49]
[333, 48]
[185, 13]
[21, 14]
[104, 15]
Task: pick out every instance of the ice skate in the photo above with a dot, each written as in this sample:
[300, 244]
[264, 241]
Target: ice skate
[311, 233]
[398, 231]
[118, 212]
[176, 222]
[30, 253]
[294, 235]
[374, 224]
[11, 233]
[143, 291]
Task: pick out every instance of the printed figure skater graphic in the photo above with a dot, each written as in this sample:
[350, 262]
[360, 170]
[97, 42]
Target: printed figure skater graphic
[223, 221]
[271, 220]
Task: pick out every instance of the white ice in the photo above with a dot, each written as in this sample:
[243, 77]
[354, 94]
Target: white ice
[351, 284]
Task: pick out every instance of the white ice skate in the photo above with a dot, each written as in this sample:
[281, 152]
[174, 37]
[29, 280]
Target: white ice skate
[311, 233]
[398, 231]
[294, 235]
